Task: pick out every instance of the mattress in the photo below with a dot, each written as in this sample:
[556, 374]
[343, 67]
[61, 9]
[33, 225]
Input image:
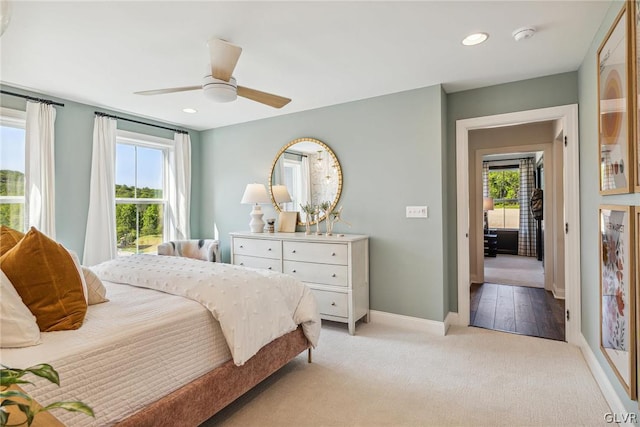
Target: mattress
[130, 351]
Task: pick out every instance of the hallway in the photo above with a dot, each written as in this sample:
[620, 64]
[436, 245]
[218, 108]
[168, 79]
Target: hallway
[517, 309]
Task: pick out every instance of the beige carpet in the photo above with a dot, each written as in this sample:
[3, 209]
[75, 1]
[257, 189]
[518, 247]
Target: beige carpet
[514, 270]
[385, 376]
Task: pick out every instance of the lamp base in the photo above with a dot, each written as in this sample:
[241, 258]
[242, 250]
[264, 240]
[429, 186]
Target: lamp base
[257, 224]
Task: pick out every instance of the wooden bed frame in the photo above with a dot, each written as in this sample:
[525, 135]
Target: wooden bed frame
[196, 402]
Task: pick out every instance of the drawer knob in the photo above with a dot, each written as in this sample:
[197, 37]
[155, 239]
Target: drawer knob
[333, 254]
[241, 246]
[242, 263]
[293, 251]
[333, 304]
[333, 275]
[269, 268]
[269, 249]
[293, 271]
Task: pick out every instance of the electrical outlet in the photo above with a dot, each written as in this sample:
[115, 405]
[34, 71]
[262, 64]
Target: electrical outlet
[417, 212]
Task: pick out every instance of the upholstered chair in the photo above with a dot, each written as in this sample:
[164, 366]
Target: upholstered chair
[204, 249]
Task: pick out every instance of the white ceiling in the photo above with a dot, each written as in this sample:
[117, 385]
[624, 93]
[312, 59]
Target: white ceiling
[317, 53]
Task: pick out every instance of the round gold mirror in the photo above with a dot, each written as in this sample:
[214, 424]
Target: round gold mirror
[310, 173]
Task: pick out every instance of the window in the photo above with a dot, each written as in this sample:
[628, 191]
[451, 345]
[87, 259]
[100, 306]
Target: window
[140, 189]
[12, 169]
[504, 188]
[293, 181]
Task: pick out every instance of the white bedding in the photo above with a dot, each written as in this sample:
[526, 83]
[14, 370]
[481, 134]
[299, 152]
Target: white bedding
[130, 351]
[253, 306]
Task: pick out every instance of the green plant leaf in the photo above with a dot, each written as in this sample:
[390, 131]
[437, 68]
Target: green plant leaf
[14, 393]
[10, 376]
[26, 409]
[72, 407]
[4, 416]
[45, 370]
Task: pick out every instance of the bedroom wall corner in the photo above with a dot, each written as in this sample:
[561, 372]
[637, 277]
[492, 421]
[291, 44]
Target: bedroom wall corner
[377, 141]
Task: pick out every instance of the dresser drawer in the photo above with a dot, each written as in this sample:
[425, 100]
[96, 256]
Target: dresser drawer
[327, 274]
[331, 303]
[256, 262]
[257, 247]
[326, 253]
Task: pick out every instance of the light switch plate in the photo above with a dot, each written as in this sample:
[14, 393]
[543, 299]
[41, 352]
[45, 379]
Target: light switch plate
[417, 212]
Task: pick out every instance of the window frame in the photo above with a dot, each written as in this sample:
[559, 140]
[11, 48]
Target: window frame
[504, 168]
[10, 117]
[165, 145]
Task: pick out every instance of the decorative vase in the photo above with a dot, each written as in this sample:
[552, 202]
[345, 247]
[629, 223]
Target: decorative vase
[318, 233]
[329, 226]
[307, 224]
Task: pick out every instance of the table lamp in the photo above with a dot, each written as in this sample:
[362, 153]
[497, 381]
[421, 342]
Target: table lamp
[487, 205]
[280, 194]
[255, 194]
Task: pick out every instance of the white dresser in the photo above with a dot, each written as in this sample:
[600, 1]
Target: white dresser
[335, 268]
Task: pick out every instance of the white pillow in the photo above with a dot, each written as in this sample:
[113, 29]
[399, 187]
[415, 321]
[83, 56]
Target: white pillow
[76, 261]
[18, 325]
[97, 291]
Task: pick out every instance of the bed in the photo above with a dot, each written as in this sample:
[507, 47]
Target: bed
[178, 340]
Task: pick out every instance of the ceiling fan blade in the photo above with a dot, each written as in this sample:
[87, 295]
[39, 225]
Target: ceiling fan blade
[224, 57]
[269, 99]
[168, 90]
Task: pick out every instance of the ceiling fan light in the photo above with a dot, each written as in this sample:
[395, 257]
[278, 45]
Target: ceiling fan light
[219, 90]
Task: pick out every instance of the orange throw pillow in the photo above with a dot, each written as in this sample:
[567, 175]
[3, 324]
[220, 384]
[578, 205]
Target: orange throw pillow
[47, 280]
[8, 238]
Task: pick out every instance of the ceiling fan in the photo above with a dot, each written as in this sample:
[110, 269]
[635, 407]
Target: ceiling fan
[220, 85]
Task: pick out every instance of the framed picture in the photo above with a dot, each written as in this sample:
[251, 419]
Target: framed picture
[618, 293]
[287, 222]
[614, 106]
[634, 15]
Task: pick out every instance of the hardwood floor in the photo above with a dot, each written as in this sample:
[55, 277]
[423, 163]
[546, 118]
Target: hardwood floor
[517, 309]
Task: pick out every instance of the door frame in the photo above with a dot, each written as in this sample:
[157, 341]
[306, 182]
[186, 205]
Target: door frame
[568, 116]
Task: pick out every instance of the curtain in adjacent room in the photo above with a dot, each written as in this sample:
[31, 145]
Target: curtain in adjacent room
[177, 219]
[485, 179]
[100, 239]
[527, 232]
[40, 167]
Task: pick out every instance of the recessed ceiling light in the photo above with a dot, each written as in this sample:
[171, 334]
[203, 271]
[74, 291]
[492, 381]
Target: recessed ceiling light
[190, 110]
[474, 39]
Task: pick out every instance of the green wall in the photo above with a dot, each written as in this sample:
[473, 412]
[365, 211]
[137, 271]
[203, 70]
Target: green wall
[542, 92]
[73, 147]
[590, 199]
[390, 149]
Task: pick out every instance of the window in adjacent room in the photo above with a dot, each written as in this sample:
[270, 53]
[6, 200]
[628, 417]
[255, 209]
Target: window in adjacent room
[141, 194]
[12, 169]
[504, 187]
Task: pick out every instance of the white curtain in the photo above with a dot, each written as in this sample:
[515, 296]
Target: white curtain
[526, 234]
[40, 167]
[305, 185]
[177, 220]
[100, 239]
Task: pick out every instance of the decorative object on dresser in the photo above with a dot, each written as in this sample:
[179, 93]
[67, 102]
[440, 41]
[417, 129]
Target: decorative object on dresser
[309, 212]
[312, 174]
[255, 194]
[335, 268]
[287, 222]
[271, 225]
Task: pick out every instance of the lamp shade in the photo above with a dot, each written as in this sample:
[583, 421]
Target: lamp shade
[487, 203]
[280, 194]
[255, 193]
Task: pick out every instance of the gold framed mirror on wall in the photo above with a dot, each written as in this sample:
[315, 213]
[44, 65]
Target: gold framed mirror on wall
[311, 174]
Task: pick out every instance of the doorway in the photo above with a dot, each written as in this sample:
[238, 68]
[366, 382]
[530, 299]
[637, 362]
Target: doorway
[470, 231]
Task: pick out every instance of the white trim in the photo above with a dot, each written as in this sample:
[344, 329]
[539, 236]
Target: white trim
[141, 139]
[568, 114]
[609, 393]
[557, 293]
[13, 118]
[408, 322]
[450, 319]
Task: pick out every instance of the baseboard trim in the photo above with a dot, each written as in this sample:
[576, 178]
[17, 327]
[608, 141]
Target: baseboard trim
[409, 322]
[557, 293]
[609, 393]
[451, 319]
